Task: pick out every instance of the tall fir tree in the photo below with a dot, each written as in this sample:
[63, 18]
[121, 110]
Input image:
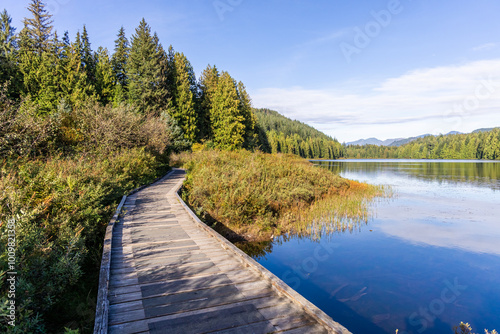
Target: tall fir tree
[65, 52]
[248, 115]
[183, 91]
[164, 97]
[104, 76]
[38, 60]
[8, 51]
[8, 39]
[74, 82]
[227, 123]
[38, 27]
[88, 57]
[144, 70]
[119, 63]
[208, 85]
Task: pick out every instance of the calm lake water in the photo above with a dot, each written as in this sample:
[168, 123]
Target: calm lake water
[428, 259]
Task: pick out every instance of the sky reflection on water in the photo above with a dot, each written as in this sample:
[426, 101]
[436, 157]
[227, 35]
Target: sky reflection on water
[429, 258]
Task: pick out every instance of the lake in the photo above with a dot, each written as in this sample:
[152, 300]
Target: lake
[428, 258]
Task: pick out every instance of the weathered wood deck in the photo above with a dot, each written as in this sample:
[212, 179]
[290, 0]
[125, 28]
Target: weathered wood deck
[170, 274]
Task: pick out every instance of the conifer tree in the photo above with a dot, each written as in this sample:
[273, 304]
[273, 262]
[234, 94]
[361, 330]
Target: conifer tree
[227, 123]
[104, 76]
[119, 63]
[164, 96]
[88, 57]
[144, 71]
[8, 51]
[8, 40]
[38, 27]
[248, 115]
[208, 85]
[184, 108]
[38, 59]
[65, 40]
[74, 83]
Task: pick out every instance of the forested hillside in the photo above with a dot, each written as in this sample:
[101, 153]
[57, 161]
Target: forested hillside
[291, 136]
[476, 145]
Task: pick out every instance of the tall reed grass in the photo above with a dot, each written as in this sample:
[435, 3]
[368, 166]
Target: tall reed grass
[259, 195]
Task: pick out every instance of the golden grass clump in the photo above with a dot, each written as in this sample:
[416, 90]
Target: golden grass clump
[258, 195]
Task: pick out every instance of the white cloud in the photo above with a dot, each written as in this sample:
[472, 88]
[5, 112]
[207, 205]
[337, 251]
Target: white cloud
[431, 100]
[484, 47]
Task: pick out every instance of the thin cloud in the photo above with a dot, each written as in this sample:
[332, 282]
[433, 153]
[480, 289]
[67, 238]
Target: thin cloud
[485, 47]
[327, 38]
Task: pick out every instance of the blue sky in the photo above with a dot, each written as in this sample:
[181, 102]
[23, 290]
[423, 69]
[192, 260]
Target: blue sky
[353, 69]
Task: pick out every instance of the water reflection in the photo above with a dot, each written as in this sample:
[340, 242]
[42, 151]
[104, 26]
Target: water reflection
[437, 237]
[478, 173]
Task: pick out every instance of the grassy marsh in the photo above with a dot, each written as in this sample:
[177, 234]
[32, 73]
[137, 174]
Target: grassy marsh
[260, 195]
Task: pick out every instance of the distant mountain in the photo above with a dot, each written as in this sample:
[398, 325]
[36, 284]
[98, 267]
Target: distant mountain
[401, 141]
[407, 140]
[484, 130]
[373, 141]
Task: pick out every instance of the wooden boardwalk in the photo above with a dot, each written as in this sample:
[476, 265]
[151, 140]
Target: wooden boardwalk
[169, 274]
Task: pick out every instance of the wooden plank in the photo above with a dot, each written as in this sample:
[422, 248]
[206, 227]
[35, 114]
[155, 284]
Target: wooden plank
[257, 327]
[142, 325]
[309, 329]
[211, 321]
[247, 288]
[161, 273]
[289, 322]
[179, 303]
[196, 283]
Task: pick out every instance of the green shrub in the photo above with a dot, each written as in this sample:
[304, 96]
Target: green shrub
[23, 132]
[61, 206]
[94, 127]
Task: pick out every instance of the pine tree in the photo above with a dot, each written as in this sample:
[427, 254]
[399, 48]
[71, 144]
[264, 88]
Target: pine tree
[144, 70]
[39, 27]
[74, 82]
[164, 92]
[104, 76]
[248, 115]
[227, 124]
[88, 57]
[38, 59]
[8, 51]
[8, 40]
[119, 63]
[184, 108]
[208, 85]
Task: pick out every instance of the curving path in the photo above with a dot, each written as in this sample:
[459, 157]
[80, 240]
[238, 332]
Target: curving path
[169, 274]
